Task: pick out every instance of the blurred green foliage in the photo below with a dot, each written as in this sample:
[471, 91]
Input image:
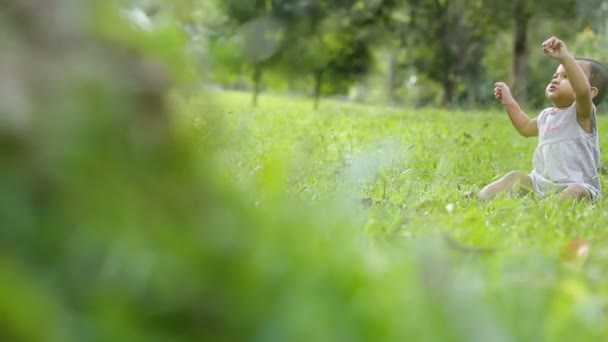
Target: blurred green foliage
[328, 47]
[133, 212]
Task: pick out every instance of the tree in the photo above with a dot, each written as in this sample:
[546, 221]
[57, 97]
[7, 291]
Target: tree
[259, 32]
[331, 55]
[523, 12]
[331, 41]
[444, 41]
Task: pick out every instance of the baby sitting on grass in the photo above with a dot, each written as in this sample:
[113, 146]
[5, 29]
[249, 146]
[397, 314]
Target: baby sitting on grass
[566, 160]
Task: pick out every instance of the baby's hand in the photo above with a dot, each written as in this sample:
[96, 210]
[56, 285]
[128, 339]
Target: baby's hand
[503, 93]
[555, 48]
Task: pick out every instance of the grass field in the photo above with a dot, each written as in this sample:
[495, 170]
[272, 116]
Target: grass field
[402, 253]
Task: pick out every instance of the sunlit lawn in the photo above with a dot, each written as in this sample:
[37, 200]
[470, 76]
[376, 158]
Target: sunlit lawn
[415, 163]
[400, 173]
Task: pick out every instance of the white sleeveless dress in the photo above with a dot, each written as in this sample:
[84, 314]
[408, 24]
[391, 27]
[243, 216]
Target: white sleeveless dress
[565, 154]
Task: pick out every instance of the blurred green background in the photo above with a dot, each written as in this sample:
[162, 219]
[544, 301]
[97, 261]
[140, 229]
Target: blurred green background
[407, 52]
[145, 198]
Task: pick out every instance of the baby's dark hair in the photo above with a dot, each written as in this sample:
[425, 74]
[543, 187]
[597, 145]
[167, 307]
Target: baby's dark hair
[598, 78]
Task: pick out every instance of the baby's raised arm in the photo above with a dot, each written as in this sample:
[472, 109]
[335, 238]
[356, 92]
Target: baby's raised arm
[523, 124]
[555, 48]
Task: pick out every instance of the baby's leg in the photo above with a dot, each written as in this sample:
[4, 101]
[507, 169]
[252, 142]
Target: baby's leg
[574, 193]
[512, 181]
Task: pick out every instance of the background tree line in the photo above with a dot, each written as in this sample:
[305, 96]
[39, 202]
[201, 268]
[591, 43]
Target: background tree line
[418, 52]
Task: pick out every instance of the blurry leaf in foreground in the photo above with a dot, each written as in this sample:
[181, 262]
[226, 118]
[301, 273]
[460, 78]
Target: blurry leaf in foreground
[23, 301]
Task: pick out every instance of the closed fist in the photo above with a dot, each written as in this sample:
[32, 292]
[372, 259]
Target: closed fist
[555, 48]
[502, 92]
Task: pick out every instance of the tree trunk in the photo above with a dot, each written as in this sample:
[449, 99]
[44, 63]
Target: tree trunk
[520, 51]
[472, 91]
[257, 77]
[391, 79]
[317, 88]
[449, 86]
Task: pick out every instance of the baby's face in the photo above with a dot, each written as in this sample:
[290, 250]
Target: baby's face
[559, 91]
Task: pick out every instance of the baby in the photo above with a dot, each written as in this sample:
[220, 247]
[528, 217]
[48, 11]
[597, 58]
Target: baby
[566, 160]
